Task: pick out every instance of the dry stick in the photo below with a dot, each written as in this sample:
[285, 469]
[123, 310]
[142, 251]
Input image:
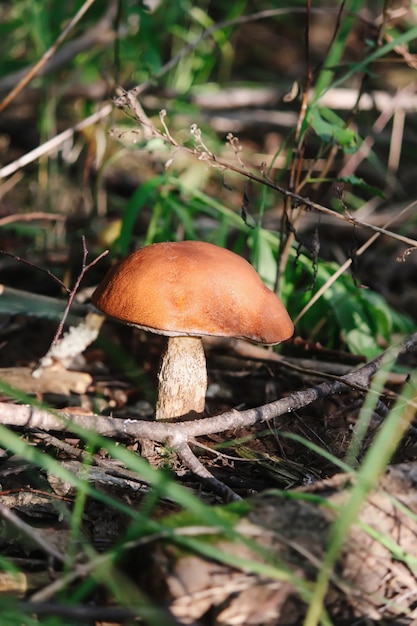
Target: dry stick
[127, 101]
[396, 144]
[28, 217]
[96, 460]
[31, 417]
[187, 456]
[37, 267]
[287, 235]
[348, 262]
[72, 293]
[53, 144]
[8, 185]
[382, 120]
[46, 56]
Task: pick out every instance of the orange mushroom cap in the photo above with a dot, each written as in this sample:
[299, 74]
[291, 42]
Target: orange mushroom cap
[193, 288]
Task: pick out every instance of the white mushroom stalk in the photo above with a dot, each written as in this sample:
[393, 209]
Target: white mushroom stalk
[182, 379]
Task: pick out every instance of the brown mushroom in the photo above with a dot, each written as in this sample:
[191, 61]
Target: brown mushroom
[187, 290]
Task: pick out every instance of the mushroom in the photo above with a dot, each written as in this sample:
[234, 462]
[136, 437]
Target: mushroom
[187, 290]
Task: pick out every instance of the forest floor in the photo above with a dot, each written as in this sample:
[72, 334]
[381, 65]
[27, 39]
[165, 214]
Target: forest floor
[116, 376]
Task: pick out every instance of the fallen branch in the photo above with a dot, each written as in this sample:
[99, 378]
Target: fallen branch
[179, 435]
[32, 417]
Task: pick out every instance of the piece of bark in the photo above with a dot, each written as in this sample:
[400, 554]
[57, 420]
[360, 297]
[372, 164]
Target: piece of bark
[67, 351]
[368, 581]
[20, 584]
[52, 380]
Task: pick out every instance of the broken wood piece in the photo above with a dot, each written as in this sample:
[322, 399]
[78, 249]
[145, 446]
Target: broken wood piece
[67, 350]
[52, 380]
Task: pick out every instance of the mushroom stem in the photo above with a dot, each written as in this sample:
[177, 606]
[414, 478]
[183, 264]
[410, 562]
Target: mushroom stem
[182, 379]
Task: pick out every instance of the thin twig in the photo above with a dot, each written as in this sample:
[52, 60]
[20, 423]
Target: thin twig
[294, 215]
[53, 144]
[72, 293]
[342, 268]
[37, 267]
[28, 217]
[127, 102]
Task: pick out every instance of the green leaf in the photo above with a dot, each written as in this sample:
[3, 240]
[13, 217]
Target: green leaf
[331, 128]
[142, 194]
[359, 182]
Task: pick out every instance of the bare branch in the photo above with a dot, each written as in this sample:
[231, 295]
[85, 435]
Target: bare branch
[129, 105]
[179, 445]
[73, 292]
[30, 417]
[28, 217]
[36, 267]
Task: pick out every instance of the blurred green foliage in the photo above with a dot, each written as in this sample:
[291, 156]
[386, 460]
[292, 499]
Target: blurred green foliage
[165, 45]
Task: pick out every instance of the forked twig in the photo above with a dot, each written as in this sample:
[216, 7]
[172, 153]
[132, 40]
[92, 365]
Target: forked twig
[72, 293]
[342, 268]
[127, 101]
[181, 447]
